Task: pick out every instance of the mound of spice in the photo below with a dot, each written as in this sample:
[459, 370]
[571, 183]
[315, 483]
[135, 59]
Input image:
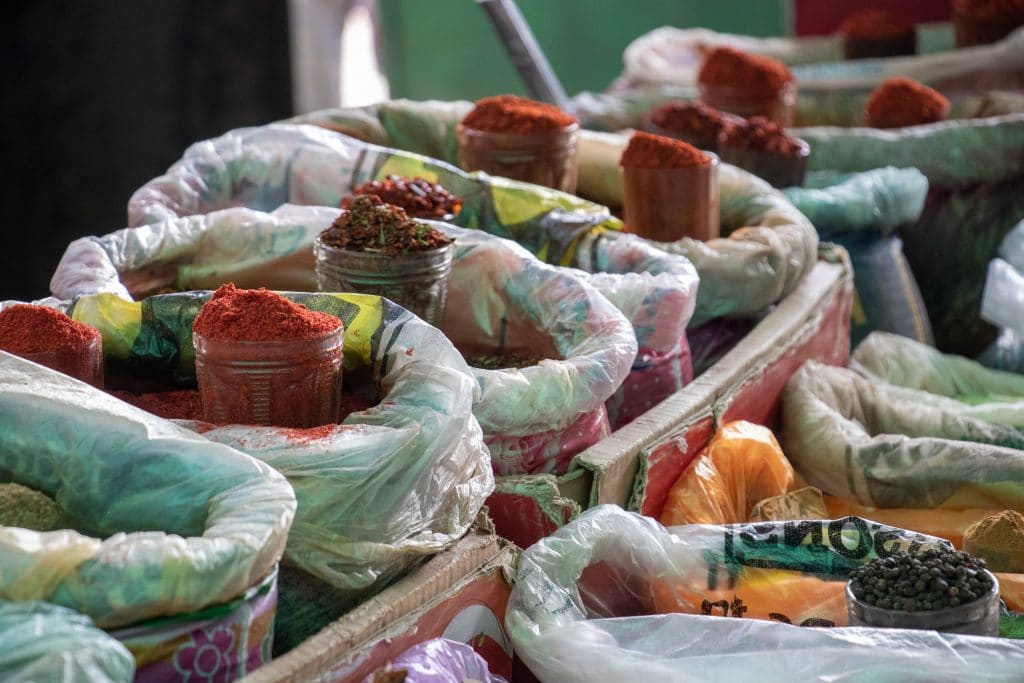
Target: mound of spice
[756, 75]
[659, 152]
[27, 508]
[999, 540]
[374, 227]
[990, 10]
[899, 102]
[519, 115]
[418, 197]
[760, 134]
[936, 579]
[170, 405]
[25, 328]
[695, 122]
[874, 23]
[979, 22]
[255, 315]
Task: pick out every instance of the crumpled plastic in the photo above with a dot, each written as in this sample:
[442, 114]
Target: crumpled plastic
[44, 642]
[582, 607]
[1002, 302]
[169, 522]
[889, 446]
[389, 486]
[954, 383]
[741, 466]
[440, 661]
[501, 300]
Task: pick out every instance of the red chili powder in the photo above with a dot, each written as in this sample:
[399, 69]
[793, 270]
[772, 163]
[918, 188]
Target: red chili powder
[170, 405]
[874, 24]
[691, 118]
[259, 315]
[900, 102]
[511, 114]
[760, 134]
[25, 328]
[990, 10]
[758, 76]
[657, 151]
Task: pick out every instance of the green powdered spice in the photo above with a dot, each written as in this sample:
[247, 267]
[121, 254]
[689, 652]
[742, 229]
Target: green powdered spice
[26, 508]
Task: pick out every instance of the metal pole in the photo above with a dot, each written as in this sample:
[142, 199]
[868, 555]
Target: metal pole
[524, 51]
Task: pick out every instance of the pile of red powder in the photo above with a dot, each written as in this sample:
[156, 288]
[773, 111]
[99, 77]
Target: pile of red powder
[659, 152]
[900, 102]
[259, 315]
[753, 74]
[990, 10]
[691, 118]
[25, 328]
[511, 114]
[874, 24]
[762, 135]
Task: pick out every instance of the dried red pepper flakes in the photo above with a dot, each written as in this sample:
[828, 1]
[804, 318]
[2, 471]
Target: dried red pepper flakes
[417, 196]
[511, 114]
[899, 102]
[758, 133]
[757, 75]
[372, 226]
[657, 151]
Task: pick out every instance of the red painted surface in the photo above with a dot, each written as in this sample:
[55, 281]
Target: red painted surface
[490, 591]
[668, 460]
[520, 519]
[818, 17]
[758, 398]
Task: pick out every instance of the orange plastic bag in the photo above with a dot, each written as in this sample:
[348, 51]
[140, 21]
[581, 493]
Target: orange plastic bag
[742, 465]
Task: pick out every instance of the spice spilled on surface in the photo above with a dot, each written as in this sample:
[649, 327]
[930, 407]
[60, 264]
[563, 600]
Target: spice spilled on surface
[374, 227]
[259, 315]
[519, 115]
[659, 152]
[418, 197]
[756, 75]
[899, 102]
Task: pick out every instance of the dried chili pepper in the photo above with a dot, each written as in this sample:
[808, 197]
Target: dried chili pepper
[419, 197]
[372, 226]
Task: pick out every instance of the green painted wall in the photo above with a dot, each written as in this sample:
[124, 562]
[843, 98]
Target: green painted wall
[446, 49]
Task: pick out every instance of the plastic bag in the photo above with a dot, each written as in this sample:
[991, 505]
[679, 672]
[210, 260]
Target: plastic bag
[47, 643]
[501, 300]
[390, 486]
[583, 602]
[741, 466]
[439, 661]
[889, 446]
[179, 522]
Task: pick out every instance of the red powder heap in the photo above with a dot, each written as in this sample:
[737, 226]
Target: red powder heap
[259, 315]
[25, 328]
[900, 102]
[657, 151]
[990, 10]
[170, 405]
[511, 114]
[874, 24]
[758, 76]
[762, 135]
[691, 118]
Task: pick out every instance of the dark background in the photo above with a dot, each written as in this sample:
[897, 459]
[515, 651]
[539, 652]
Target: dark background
[99, 97]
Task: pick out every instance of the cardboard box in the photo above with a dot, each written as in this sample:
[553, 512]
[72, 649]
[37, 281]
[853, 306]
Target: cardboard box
[460, 594]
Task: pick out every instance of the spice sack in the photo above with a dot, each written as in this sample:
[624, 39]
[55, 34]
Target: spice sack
[615, 596]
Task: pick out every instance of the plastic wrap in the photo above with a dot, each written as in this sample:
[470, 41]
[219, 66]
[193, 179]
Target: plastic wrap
[583, 604]
[439, 661]
[501, 300]
[390, 486]
[888, 446]
[168, 522]
[51, 644]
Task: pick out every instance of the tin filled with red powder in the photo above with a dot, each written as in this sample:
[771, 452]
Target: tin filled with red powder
[747, 85]
[375, 248]
[979, 22]
[48, 337]
[520, 139]
[262, 359]
[670, 189]
[763, 148]
[877, 33]
[900, 102]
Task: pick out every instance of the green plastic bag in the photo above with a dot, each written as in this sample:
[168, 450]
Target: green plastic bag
[44, 643]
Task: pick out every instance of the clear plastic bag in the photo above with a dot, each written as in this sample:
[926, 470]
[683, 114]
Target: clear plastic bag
[440, 661]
